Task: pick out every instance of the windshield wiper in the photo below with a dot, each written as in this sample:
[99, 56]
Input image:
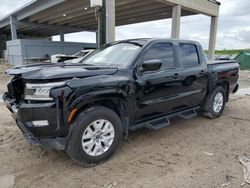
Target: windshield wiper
[135, 43]
[89, 65]
[100, 66]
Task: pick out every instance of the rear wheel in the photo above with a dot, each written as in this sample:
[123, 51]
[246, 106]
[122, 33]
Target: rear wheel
[215, 103]
[94, 136]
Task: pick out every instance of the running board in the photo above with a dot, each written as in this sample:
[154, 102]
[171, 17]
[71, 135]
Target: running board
[158, 123]
[188, 115]
[164, 121]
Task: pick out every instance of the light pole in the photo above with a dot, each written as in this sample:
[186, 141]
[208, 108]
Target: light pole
[100, 12]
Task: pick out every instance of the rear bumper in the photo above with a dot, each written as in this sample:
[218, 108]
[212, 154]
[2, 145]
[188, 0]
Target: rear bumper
[25, 114]
[236, 88]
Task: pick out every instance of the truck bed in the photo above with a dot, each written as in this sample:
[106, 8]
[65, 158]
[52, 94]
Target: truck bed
[221, 66]
[224, 72]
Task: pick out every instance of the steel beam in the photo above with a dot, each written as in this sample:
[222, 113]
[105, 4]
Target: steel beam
[133, 12]
[121, 8]
[197, 6]
[30, 9]
[72, 9]
[36, 7]
[134, 16]
[69, 15]
[55, 27]
[63, 8]
[137, 18]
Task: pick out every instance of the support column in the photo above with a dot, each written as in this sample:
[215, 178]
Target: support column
[212, 39]
[13, 27]
[110, 21]
[176, 21]
[62, 36]
[3, 40]
[97, 38]
[102, 24]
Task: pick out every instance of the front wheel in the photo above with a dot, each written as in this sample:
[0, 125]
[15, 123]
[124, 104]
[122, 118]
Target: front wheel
[94, 136]
[215, 103]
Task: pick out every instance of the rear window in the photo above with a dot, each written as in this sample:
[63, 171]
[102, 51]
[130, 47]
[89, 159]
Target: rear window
[189, 55]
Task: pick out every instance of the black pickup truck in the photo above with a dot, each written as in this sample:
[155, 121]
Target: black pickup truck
[89, 107]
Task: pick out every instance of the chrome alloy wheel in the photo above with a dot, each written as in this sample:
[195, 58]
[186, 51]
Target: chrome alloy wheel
[98, 137]
[218, 102]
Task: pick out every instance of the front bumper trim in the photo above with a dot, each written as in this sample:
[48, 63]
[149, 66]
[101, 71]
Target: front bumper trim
[52, 143]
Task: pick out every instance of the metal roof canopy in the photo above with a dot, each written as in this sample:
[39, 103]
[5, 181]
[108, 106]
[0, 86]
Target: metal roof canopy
[47, 18]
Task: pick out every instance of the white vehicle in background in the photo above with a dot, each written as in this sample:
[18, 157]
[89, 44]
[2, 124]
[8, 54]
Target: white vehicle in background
[57, 58]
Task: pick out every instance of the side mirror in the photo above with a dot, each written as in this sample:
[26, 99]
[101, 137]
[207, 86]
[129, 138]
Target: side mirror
[151, 65]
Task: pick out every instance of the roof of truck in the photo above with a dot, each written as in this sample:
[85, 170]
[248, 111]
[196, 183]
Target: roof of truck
[158, 39]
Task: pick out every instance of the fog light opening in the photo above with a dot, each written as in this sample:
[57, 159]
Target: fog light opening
[41, 123]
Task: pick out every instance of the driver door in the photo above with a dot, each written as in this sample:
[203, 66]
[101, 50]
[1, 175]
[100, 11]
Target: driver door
[157, 92]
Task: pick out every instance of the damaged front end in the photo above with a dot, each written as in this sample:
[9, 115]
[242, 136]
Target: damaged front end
[41, 121]
[15, 88]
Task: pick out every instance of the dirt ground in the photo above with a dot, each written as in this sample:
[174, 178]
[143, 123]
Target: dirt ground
[190, 153]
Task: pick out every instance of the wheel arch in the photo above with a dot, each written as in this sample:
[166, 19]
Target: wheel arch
[225, 86]
[116, 103]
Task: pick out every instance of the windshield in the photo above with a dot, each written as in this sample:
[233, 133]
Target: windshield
[117, 55]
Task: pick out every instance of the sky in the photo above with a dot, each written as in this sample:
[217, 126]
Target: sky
[233, 28]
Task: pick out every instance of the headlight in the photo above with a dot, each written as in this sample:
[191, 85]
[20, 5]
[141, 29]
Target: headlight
[40, 92]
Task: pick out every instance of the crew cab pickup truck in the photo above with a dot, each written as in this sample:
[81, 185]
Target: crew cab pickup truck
[88, 108]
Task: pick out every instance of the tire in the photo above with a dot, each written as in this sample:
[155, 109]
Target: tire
[81, 149]
[209, 109]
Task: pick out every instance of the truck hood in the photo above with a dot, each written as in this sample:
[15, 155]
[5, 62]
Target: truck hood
[59, 71]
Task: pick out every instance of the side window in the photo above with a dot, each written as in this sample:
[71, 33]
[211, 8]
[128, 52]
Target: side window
[189, 55]
[163, 52]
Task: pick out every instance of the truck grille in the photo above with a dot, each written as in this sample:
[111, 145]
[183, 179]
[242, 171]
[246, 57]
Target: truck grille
[16, 88]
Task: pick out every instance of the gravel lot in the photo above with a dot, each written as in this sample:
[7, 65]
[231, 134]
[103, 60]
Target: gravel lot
[193, 153]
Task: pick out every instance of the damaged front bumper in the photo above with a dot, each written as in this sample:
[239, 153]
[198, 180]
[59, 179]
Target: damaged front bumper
[44, 135]
[52, 143]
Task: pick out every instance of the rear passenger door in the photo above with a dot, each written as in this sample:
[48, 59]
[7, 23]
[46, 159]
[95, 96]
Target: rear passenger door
[193, 74]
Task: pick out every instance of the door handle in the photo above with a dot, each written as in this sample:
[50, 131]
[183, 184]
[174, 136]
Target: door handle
[203, 73]
[176, 75]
